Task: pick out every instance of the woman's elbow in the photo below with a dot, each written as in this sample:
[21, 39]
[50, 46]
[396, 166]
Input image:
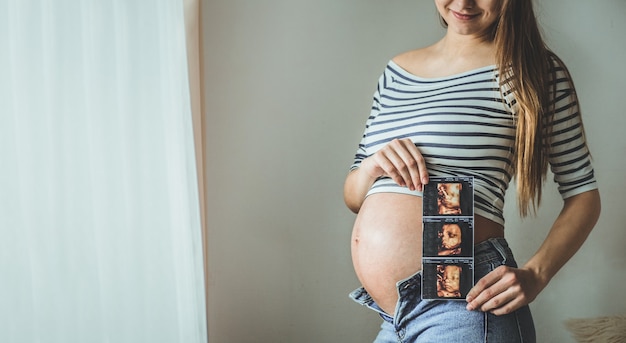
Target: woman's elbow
[352, 205]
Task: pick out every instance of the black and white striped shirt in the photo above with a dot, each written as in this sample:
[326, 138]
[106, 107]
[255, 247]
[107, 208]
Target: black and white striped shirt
[464, 127]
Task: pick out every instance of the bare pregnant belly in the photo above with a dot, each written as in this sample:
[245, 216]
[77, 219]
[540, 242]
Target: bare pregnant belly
[387, 243]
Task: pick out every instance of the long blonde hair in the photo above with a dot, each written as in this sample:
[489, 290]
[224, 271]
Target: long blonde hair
[522, 54]
[526, 67]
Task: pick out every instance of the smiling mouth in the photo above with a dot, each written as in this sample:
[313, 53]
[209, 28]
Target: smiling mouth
[464, 16]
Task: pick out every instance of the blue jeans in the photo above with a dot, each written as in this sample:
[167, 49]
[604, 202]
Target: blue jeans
[421, 321]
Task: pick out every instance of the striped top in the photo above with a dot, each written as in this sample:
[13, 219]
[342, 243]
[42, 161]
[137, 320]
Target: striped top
[464, 127]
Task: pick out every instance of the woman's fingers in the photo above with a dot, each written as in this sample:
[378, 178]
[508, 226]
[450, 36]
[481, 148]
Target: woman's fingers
[404, 166]
[402, 162]
[391, 165]
[503, 291]
[414, 161]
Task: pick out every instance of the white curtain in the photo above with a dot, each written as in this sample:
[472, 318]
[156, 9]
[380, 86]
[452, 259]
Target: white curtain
[100, 231]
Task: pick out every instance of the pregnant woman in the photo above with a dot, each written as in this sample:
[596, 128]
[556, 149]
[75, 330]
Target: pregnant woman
[491, 101]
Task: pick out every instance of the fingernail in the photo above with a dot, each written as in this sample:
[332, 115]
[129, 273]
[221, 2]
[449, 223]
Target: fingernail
[425, 180]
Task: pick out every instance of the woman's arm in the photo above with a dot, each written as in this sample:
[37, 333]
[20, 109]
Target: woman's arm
[355, 188]
[506, 289]
[400, 160]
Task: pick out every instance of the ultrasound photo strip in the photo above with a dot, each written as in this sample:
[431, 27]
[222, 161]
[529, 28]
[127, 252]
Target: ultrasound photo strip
[448, 238]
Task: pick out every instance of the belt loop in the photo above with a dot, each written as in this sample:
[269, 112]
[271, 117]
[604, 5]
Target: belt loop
[495, 242]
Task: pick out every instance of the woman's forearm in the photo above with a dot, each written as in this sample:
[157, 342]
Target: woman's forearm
[355, 188]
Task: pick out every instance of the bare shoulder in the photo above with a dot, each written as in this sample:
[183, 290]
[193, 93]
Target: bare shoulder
[418, 62]
[413, 58]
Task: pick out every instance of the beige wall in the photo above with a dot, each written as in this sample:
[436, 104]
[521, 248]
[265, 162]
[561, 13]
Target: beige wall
[288, 88]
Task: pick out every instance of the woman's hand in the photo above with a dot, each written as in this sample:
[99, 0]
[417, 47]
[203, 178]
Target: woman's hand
[504, 290]
[401, 161]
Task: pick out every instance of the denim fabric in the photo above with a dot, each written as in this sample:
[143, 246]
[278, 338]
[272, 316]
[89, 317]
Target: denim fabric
[421, 321]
